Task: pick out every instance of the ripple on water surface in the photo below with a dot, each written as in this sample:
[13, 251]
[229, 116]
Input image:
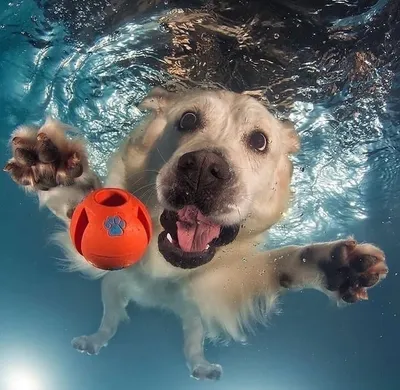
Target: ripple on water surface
[348, 122]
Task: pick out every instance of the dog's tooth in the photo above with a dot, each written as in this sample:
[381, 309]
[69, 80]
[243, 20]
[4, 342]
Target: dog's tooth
[169, 237]
[207, 247]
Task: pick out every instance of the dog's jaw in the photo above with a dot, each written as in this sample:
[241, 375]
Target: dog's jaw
[191, 241]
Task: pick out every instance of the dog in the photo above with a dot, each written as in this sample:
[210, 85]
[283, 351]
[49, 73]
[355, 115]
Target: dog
[214, 169]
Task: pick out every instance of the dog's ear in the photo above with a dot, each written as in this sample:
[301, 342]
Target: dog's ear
[292, 140]
[156, 100]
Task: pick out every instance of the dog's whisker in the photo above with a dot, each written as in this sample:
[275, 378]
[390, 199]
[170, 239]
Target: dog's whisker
[240, 168]
[245, 195]
[149, 190]
[151, 171]
[149, 193]
[143, 187]
[158, 150]
[136, 181]
[143, 177]
[238, 211]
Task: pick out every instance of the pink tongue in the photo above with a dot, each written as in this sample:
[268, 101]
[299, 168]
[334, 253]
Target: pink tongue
[195, 231]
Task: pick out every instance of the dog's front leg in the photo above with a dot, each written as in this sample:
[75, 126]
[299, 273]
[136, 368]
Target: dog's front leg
[114, 304]
[199, 367]
[343, 269]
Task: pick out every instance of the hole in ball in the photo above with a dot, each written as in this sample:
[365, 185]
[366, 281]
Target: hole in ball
[110, 198]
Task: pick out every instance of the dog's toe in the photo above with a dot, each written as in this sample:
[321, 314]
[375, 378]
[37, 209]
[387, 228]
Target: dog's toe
[208, 371]
[86, 344]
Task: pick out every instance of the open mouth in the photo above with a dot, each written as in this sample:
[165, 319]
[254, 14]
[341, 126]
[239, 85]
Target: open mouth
[190, 239]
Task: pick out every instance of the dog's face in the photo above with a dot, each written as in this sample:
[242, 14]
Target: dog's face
[228, 171]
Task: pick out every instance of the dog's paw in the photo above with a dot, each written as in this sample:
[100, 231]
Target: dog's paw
[208, 371]
[352, 268]
[43, 159]
[87, 344]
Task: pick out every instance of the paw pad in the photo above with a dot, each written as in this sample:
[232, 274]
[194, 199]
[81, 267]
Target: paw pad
[353, 268]
[115, 226]
[207, 371]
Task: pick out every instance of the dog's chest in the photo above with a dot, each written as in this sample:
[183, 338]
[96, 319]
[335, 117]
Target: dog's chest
[147, 291]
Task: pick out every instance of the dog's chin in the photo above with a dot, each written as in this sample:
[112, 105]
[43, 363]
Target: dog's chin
[188, 242]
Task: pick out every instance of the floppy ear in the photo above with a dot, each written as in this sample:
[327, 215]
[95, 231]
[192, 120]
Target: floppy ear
[292, 139]
[156, 100]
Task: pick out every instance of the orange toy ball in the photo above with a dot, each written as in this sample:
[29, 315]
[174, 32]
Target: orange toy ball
[111, 229]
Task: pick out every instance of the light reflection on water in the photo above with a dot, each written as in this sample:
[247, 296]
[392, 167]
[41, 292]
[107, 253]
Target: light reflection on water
[327, 181]
[96, 88]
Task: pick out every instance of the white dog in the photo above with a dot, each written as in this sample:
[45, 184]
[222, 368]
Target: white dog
[224, 182]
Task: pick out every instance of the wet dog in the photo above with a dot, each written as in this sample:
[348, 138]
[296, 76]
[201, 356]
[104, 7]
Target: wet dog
[214, 169]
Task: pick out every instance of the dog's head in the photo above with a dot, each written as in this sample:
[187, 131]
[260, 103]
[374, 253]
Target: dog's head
[227, 174]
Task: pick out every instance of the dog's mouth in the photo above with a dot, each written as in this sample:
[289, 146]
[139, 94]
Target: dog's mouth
[190, 239]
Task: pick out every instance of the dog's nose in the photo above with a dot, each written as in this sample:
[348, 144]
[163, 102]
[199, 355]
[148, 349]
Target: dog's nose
[204, 168]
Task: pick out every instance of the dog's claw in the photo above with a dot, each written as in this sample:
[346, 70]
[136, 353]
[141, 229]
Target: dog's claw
[7, 167]
[16, 141]
[41, 137]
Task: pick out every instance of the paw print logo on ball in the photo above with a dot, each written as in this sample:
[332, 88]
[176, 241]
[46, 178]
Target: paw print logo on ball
[115, 226]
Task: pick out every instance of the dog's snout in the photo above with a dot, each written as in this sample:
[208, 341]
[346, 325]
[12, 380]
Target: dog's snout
[204, 168]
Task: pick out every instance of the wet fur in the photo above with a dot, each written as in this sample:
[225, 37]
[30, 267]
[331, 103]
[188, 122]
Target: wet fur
[241, 285]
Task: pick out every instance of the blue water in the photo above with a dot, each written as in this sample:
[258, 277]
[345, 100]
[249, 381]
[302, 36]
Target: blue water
[346, 179]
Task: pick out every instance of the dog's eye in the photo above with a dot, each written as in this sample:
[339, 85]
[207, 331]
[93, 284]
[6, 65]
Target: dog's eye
[258, 141]
[189, 121]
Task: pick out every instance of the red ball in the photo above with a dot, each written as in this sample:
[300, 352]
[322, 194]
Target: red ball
[111, 229]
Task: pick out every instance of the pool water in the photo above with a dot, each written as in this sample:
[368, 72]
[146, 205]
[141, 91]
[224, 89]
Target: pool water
[333, 69]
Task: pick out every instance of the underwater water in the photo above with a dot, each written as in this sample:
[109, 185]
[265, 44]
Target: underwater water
[333, 69]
